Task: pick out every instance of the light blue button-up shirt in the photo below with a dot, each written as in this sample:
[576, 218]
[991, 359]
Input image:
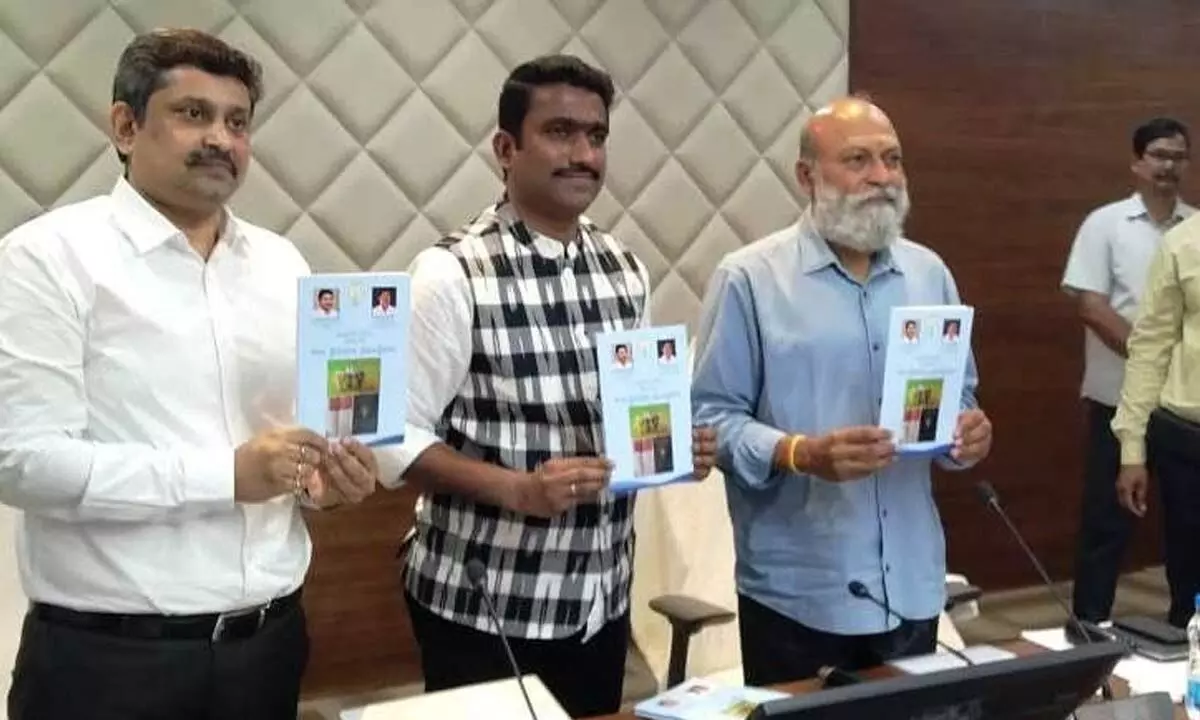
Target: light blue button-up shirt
[790, 342]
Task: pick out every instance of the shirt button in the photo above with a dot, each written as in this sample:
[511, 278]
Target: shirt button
[885, 513]
[887, 568]
[875, 347]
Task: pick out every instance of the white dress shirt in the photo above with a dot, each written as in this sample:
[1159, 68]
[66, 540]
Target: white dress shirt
[130, 370]
[1111, 256]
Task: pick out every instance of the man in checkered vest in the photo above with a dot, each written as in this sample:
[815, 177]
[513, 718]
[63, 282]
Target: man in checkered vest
[505, 411]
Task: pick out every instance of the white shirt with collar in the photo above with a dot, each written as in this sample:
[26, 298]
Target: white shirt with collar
[130, 370]
[1111, 255]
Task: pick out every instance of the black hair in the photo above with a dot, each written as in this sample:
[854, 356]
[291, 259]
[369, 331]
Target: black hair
[547, 70]
[143, 66]
[1156, 129]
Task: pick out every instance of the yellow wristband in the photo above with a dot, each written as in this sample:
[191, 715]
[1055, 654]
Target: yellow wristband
[791, 453]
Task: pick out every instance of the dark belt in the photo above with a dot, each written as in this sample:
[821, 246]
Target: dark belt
[216, 627]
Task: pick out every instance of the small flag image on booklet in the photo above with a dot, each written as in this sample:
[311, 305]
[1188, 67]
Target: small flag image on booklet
[353, 396]
[922, 402]
[652, 439]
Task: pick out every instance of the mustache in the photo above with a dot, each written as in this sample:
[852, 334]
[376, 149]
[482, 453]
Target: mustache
[889, 194]
[578, 169]
[211, 156]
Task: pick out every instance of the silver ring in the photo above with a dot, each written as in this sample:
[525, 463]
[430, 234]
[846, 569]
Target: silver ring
[572, 489]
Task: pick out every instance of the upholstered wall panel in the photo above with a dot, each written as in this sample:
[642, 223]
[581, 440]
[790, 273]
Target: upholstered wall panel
[374, 137]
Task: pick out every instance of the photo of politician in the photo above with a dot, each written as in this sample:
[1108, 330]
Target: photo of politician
[325, 303]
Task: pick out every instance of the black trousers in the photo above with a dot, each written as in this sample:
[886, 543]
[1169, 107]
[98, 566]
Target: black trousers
[67, 673]
[777, 649]
[585, 678]
[1104, 526]
[1173, 455]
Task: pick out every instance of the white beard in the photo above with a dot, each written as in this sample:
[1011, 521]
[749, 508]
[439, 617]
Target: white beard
[862, 222]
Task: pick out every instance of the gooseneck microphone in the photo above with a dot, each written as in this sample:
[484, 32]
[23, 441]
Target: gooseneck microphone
[476, 574]
[858, 590]
[988, 495]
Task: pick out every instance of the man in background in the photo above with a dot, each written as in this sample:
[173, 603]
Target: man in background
[146, 366]
[505, 411]
[789, 369]
[1106, 275]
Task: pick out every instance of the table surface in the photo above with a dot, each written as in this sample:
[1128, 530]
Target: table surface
[1020, 647]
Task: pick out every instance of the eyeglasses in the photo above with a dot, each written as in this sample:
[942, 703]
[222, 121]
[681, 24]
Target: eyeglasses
[1163, 156]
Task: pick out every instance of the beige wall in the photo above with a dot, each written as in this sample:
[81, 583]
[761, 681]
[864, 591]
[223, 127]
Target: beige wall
[374, 134]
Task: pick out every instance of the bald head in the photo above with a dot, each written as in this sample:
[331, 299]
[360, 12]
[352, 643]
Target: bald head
[851, 143]
[842, 117]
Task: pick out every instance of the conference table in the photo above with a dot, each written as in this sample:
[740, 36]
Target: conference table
[1019, 647]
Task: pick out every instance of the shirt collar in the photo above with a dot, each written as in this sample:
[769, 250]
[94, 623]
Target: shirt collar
[147, 228]
[1137, 209]
[545, 246]
[816, 255]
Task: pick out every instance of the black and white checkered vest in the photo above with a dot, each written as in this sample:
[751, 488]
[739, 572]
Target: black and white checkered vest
[531, 393]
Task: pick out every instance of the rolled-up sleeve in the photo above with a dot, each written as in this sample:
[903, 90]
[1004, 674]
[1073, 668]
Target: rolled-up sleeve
[728, 381]
[1089, 265]
[439, 347]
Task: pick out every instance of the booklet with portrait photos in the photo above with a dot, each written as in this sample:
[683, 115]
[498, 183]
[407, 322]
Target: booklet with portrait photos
[927, 351]
[351, 355]
[646, 406]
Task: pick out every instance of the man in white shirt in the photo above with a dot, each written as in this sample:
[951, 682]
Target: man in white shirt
[146, 364]
[621, 357]
[383, 305]
[505, 408]
[666, 354]
[326, 303]
[1106, 274]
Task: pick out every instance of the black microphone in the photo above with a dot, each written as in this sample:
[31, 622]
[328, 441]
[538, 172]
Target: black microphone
[858, 590]
[988, 495]
[832, 677]
[476, 573]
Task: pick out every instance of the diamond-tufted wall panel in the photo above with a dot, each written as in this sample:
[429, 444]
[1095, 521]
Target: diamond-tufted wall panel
[374, 135]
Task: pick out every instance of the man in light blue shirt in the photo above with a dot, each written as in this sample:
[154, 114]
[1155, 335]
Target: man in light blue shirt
[790, 356]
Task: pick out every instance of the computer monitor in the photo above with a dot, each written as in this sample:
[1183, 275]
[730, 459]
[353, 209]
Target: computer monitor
[1043, 686]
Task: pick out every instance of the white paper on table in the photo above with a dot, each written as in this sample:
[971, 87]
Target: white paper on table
[978, 654]
[496, 700]
[1143, 674]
